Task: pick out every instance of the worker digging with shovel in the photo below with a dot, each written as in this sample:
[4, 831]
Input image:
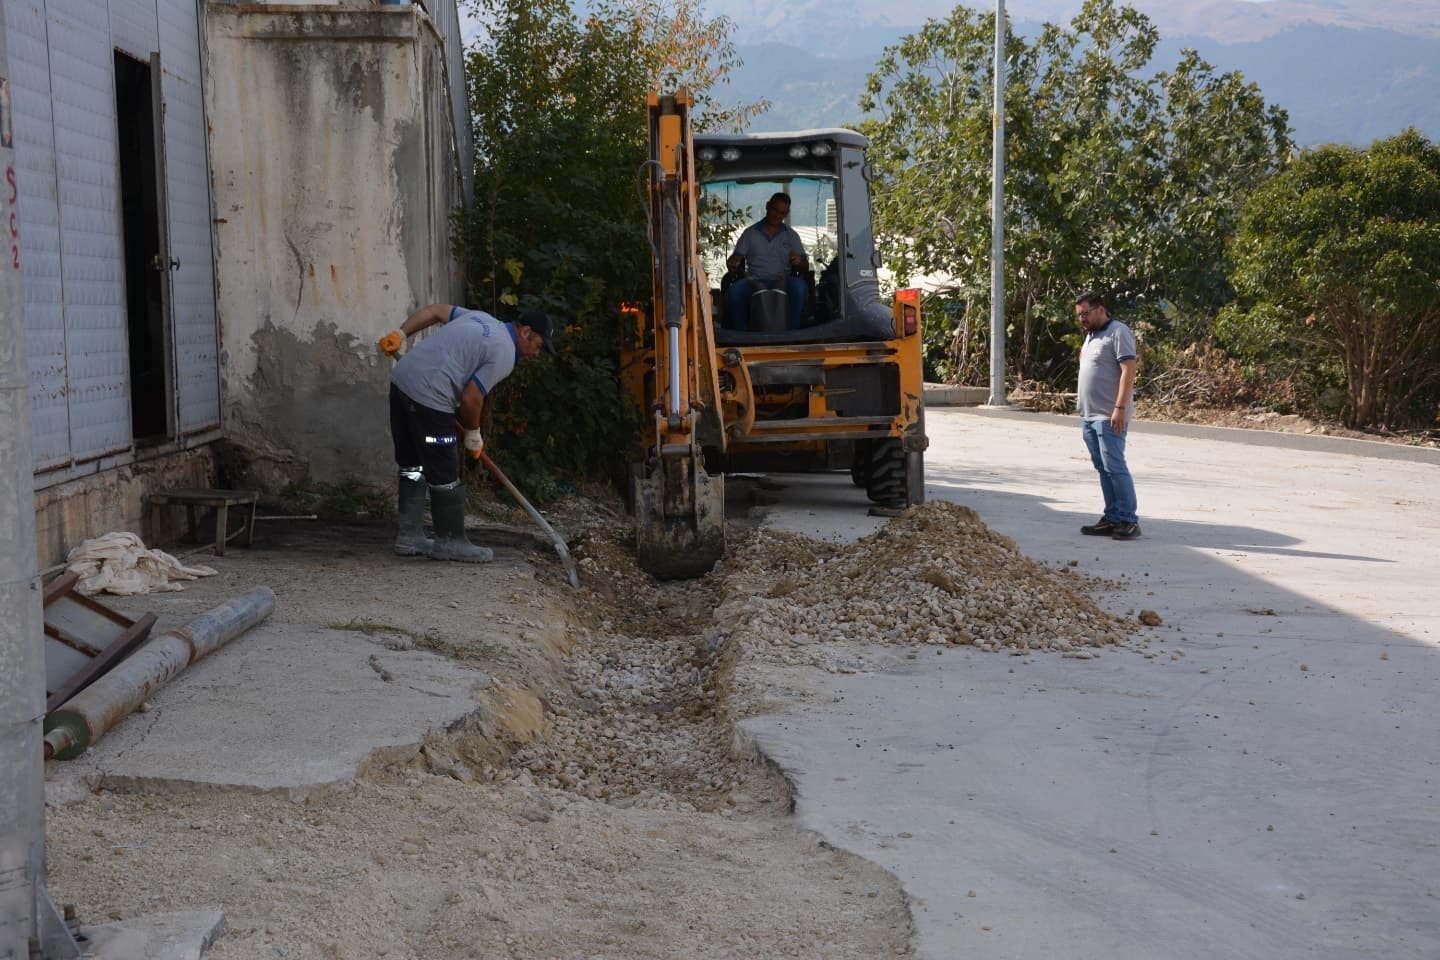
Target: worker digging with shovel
[437, 391]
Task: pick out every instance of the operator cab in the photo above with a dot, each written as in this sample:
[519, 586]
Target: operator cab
[825, 175]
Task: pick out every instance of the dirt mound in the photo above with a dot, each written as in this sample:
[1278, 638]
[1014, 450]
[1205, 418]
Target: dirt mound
[934, 575]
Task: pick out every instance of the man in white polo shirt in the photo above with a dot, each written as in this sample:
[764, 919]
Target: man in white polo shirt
[1106, 403]
[437, 392]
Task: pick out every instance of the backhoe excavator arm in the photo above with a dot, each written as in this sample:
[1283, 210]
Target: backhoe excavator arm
[679, 507]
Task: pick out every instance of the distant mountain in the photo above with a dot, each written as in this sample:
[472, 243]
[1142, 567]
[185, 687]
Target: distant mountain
[807, 23]
[1340, 82]
[1240, 21]
[804, 90]
[1340, 86]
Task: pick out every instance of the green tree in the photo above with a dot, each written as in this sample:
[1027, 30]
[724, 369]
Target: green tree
[1116, 179]
[1338, 260]
[558, 221]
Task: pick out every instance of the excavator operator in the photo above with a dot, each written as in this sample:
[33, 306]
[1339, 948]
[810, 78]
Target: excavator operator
[771, 256]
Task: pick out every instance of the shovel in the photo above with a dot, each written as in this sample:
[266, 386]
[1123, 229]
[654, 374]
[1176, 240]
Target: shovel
[559, 542]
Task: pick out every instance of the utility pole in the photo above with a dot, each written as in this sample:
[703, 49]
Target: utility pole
[28, 924]
[997, 219]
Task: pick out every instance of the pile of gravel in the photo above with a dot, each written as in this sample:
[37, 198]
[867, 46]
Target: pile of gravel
[935, 575]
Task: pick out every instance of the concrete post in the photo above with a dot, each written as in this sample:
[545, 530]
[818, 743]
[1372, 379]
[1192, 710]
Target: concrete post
[997, 220]
[27, 918]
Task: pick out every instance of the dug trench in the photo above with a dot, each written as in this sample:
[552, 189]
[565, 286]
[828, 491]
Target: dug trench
[602, 802]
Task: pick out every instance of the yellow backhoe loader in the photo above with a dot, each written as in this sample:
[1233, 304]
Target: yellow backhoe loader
[830, 382]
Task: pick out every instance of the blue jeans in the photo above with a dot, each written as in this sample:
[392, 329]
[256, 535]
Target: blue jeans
[737, 300]
[1107, 452]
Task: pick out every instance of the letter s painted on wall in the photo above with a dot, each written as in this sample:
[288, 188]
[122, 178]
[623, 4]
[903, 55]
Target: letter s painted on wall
[14, 222]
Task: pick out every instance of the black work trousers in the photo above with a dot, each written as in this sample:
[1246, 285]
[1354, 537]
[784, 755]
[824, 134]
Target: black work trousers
[424, 437]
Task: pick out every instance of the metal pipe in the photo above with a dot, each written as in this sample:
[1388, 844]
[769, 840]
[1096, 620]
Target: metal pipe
[94, 711]
[673, 363]
[672, 283]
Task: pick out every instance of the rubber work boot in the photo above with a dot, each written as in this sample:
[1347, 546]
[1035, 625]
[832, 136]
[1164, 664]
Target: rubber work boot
[447, 507]
[411, 540]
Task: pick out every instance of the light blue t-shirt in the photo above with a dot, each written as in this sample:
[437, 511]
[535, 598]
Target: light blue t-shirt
[472, 345]
[1100, 358]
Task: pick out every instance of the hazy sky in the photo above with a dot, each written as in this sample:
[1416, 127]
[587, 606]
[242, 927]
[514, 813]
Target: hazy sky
[915, 11]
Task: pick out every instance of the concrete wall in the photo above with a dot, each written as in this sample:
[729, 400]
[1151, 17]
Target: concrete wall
[335, 175]
[115, 500]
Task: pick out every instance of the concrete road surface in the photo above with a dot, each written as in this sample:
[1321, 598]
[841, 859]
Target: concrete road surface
[1273, 793]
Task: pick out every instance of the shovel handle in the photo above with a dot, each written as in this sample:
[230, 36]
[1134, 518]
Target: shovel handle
[540, 522]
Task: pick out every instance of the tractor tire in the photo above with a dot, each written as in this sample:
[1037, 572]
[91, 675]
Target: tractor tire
[885, 481]
[860, 463]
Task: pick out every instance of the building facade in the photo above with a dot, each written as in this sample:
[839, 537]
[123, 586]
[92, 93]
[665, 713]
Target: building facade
[218, 206]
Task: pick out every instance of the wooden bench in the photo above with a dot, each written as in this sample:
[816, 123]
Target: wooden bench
[192, 499]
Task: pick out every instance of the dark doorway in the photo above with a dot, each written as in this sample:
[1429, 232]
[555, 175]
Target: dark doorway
[146, 261]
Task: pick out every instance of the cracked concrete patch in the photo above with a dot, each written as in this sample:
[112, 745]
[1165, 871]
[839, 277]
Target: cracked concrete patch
[295, 707]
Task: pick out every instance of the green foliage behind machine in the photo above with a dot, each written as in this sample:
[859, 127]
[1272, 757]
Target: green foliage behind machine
[558, 221]
[1338, 262]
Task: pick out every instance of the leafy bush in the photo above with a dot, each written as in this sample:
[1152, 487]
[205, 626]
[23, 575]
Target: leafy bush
[559, 421]
[957, 342]
[1337, 267]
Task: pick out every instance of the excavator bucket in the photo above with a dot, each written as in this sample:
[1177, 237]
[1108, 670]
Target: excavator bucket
[679, 519]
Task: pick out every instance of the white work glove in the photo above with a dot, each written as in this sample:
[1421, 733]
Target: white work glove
[474, 444]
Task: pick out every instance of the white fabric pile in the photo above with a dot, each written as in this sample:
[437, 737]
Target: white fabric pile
[119, 563]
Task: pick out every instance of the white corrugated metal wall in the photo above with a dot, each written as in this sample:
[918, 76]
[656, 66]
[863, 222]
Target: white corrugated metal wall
[191, 243]
[25, 31]
[62, 65]
[447, 23]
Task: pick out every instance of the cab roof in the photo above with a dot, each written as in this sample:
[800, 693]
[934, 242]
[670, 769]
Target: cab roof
[836, 135]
